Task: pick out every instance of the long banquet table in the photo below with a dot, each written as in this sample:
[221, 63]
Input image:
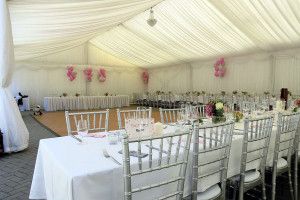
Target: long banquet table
[85, 102]
[67, 170]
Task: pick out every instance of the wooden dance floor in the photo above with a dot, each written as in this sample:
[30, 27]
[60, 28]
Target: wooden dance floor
[55, 121]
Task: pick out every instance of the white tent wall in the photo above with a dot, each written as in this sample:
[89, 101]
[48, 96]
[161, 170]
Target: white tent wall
[46, 76]
[255, 73]
[175, 78]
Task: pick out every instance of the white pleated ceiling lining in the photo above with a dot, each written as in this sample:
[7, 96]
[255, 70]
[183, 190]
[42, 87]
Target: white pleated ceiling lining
[186, 30]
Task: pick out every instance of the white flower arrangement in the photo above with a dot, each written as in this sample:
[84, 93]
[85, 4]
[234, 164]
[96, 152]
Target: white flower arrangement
[219, 105]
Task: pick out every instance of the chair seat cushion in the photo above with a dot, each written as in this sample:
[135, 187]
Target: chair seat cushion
[281, 163]
[251, 175]
[210, 193]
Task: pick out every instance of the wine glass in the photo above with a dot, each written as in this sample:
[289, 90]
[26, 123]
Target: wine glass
[82, 128]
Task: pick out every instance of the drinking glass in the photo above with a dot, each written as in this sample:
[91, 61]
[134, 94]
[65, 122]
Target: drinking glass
[82, 128]
[113, 138]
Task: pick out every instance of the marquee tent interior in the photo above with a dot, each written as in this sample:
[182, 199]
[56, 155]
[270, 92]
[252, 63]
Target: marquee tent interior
[258, 39]
[189, 36]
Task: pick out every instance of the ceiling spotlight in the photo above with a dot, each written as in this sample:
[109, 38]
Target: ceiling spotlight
[151, 21]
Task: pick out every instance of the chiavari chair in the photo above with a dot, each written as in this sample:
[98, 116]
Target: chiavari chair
[96, 121]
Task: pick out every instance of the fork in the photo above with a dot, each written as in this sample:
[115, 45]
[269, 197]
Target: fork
[106, 155]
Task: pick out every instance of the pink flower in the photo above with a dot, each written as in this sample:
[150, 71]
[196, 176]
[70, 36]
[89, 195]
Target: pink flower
[209, 110]
[297, 102]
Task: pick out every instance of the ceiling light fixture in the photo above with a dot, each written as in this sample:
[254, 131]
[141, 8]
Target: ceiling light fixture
[151, 21]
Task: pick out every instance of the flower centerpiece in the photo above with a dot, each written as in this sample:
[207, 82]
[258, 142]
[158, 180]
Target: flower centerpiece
[297, 105]
[234, 92]
[215, 109]
[106, 94]
[77, 95]
[223, 93]
[266, 92]
[238, 116]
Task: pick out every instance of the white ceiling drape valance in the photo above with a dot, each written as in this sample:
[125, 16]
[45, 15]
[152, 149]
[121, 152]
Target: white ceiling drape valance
[202, 29]
[43, 27]
[186, 30]
[15, 133]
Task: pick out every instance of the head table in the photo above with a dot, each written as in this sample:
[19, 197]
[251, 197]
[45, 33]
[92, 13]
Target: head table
[68, 170]
[85, 102]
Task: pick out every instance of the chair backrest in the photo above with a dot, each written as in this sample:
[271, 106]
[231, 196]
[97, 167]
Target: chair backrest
[167, 157]
[126, 114]
[297, 140]
[96, 121]
[168, 116]
[211, 147]
[201, 110]
[257, 132]
[286, 131]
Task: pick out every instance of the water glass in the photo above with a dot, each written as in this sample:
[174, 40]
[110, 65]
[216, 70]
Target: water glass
[113, 138]
[82, 128]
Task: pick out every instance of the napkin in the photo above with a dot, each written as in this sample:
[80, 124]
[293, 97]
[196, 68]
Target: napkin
[96, 135]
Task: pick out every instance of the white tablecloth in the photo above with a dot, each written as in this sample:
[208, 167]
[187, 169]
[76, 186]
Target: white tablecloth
[85, 102]
[67, 170]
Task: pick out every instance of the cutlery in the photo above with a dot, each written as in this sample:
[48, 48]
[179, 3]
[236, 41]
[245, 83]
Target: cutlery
[76, 138]
[135, 154]
[155, 148]
[106, 155]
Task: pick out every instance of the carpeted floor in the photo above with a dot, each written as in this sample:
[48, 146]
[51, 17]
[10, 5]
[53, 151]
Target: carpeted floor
[55, 121]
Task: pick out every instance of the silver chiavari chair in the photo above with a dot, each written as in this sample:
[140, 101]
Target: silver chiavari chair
[96, 121]
[127, 114]
[257, 132]
[201, 110]
[167, 156]
[210, 158]
[169, 116]
[285, 136]
[297, 150]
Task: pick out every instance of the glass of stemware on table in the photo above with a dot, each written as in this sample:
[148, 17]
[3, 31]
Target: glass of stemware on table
[82, 129]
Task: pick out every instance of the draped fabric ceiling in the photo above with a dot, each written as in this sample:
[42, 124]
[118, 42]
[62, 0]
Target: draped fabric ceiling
[186, 30]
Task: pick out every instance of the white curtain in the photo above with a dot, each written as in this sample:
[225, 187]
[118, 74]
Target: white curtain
[175, 79]
[189, 30]
[249, 73]
[39, 80]
[255, 73]
[287, 73]
[42, 27]
[11, 123]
